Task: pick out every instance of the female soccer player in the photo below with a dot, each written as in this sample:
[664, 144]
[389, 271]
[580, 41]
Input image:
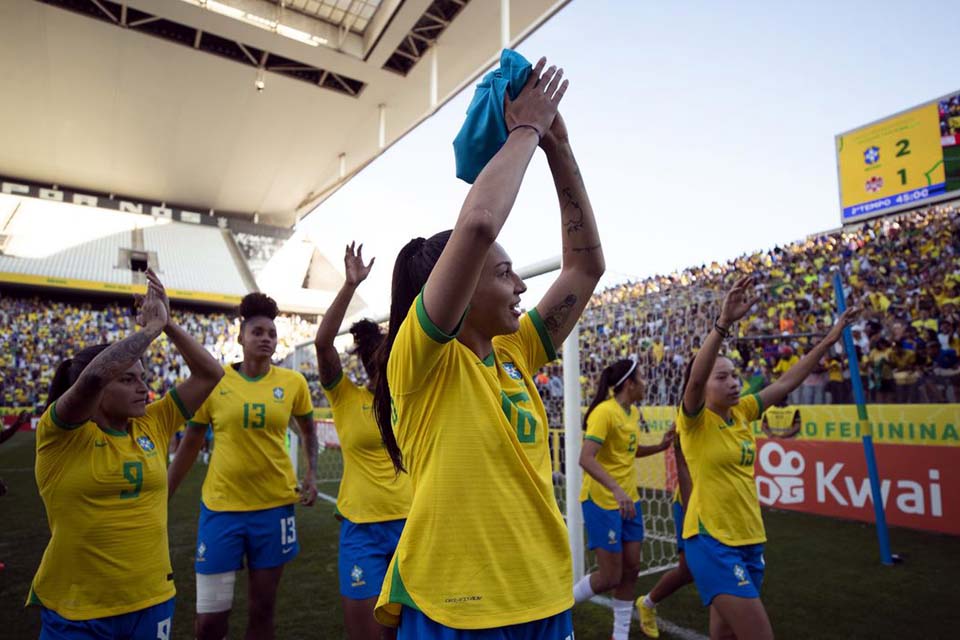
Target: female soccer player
[723, 529]
[609, 498]
[102, 473]
[246, 510]
[373, 500]
[485, 546]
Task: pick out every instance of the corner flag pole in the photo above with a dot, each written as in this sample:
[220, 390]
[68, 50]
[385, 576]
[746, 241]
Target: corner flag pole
[883, 536]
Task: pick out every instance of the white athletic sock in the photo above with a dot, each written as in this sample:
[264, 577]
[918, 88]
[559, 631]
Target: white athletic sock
[622, 612]
[582, 591]
[648, 603]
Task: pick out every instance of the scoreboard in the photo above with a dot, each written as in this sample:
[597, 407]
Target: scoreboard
[900, 162]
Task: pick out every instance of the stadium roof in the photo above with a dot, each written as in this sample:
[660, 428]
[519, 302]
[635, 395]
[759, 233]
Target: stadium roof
[157, 99]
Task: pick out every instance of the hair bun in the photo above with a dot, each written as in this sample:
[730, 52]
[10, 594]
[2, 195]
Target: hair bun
[256, 305]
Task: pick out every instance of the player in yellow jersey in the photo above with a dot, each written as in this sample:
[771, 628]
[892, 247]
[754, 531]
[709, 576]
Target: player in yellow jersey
[247, 507]
[781, 422]
[101, 469]
[373, 500]
[723, 529]
[484, 552]
[609, 497]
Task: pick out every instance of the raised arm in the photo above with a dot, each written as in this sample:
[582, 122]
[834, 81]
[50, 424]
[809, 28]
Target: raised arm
[735, 306]
[205, 371]
[795, 375]
[355, 272]
[583, 262]
[452, 282]
[79, 402]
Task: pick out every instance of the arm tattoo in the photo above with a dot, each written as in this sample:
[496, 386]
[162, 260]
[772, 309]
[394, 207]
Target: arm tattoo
[114, 360]
[575, 222]
[589, 249]
[556, 318]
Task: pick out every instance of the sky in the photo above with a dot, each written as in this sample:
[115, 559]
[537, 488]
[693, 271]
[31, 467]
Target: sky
[703, 130]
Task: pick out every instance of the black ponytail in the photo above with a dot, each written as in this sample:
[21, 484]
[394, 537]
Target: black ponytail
[367, 337]
[608, 378]
[69, 370]
[410, 272]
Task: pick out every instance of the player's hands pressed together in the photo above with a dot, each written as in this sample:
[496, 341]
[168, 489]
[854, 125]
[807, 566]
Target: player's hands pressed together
[537, 104]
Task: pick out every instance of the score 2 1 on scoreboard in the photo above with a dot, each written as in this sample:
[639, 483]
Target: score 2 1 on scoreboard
[900, 162]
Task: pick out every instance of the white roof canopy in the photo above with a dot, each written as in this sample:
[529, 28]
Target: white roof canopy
[156, 99]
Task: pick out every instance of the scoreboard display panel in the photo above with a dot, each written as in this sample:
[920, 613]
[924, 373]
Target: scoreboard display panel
[900, 162]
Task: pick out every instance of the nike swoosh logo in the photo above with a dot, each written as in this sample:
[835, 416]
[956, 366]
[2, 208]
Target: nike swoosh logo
[223, 393]
[287, 550]
[99, 444]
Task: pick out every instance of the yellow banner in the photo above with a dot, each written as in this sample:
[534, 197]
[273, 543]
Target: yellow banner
[904, 424]
[90, 285]
[919, 424]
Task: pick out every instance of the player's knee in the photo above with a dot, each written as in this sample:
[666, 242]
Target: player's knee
[215, 592]
[212, 626]
[630, 570]
[605, 580]
[261, 608]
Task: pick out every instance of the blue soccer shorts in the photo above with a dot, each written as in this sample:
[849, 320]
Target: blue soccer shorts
[607, 530]
[152, 623]
[721, 569]
[414, 625]
[266, 538]
[364, 554]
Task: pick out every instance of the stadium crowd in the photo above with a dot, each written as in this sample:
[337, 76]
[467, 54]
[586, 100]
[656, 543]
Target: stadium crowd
[36, 333]
[905, 272]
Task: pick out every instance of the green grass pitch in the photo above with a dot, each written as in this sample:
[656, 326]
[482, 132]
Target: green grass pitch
[823, 577]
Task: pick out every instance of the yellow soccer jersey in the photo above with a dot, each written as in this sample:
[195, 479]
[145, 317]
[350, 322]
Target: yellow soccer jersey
[780, 419]
[250, 468]
[720, 458]
[370, 489]
[105, 493]
[617, 432]
[473, 436]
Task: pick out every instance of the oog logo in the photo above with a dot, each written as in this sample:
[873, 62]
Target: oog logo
[786, 487]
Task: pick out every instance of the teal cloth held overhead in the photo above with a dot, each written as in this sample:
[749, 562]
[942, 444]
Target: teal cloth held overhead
[484, 131]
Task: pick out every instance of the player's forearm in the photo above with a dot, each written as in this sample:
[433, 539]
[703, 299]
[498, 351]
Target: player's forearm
[182, 461]
[312, 444]
[201, 363]
[695, 392]
[580, 237]
[333, 318]
[651, 450]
